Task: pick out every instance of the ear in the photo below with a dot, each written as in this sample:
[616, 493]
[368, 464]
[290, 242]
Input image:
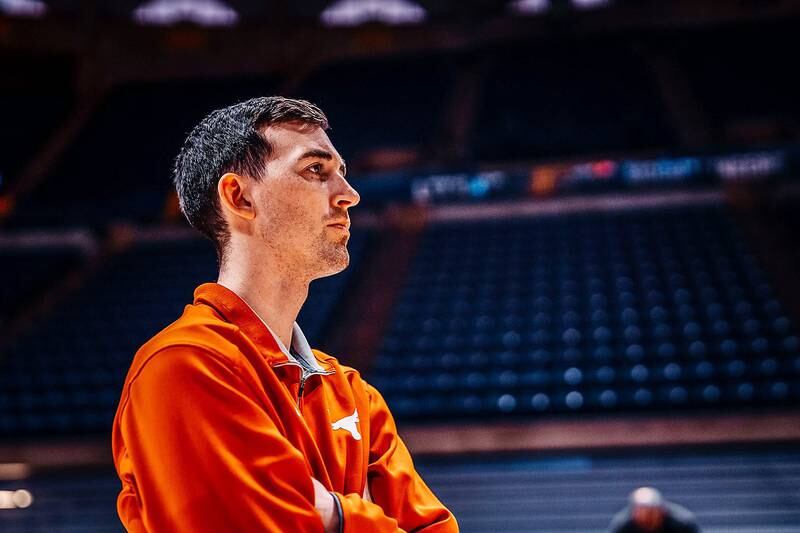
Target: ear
[234, 196]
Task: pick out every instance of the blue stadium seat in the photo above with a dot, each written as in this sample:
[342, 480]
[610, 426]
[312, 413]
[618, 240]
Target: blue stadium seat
[626, 311]
[33, 270]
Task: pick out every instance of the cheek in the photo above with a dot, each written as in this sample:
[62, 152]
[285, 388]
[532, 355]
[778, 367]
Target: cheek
[294, 212]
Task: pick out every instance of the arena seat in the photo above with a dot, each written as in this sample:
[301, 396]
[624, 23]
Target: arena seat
[33, 270]
[624, 311]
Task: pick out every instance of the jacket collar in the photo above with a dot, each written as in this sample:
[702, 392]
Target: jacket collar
[236, 311]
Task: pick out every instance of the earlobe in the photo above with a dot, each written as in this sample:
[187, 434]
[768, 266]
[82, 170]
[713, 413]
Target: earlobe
[234, 196]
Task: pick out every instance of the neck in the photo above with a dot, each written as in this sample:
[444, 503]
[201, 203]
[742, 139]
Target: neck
[271, 291]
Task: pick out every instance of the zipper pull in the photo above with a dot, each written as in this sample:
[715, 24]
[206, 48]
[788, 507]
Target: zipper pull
[300, 392]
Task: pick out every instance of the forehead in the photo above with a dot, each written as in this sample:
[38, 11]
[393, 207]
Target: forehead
[292, 139]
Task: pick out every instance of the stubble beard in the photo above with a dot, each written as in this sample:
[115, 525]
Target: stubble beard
[332, 256]
[323, 256]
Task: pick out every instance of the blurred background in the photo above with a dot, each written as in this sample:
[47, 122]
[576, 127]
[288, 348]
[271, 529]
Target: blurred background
[574, 266]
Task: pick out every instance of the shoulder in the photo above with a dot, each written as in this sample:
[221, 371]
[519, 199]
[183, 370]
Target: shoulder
[198, 340]
[352, 375]
[200, 327]
[330, 361]
[621, 521]
[682, 516]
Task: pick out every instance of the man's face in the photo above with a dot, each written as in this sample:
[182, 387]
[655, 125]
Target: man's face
[302, 202]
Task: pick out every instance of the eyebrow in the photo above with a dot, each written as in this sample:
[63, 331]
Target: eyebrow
[323, 154]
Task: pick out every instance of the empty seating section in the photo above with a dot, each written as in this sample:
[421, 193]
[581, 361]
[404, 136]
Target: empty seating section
[635, 310]
[566, 101]
[395, 102]
[119, 167]
[65, 376]
[29, 272]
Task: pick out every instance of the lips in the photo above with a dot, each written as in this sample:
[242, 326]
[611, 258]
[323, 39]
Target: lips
[345, 225]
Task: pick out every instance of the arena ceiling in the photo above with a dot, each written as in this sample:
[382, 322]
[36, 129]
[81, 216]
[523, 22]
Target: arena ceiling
[355, 12]
[254, 11]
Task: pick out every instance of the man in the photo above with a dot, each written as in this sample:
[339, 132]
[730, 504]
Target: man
[649, 512]
[228, 421]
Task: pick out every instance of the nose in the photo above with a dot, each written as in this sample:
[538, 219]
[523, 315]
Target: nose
[346, 196]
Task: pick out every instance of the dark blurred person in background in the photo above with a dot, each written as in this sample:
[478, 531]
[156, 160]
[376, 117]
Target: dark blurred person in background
[649, 512]
[228, 420]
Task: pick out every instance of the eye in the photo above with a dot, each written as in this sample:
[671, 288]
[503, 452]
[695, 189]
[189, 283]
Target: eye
[318, 170]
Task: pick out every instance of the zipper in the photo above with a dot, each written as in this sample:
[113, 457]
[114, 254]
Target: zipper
[305, 374]
[300, 390]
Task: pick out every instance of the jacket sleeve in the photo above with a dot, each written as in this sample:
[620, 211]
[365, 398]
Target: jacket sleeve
[403, 502]
[206, 455]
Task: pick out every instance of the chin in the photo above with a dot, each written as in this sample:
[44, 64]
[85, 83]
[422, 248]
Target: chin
[334, 262]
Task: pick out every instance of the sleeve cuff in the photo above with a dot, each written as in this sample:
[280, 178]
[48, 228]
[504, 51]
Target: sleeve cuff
[339, 511]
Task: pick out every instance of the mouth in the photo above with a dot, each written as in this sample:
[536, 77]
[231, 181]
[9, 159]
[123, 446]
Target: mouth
[340, 225]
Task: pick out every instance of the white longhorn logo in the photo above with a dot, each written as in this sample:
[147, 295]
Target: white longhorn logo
[349, 423]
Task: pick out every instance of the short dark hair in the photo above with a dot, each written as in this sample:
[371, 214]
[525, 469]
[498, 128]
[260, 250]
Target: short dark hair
[230, 140]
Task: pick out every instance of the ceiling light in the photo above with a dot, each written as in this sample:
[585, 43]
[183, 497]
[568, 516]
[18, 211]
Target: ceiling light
[529, 7]
[200, 12]
[356, 12]
[23, 8]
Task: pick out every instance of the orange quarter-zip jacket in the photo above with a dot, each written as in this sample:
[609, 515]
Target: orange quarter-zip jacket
[213, 433]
